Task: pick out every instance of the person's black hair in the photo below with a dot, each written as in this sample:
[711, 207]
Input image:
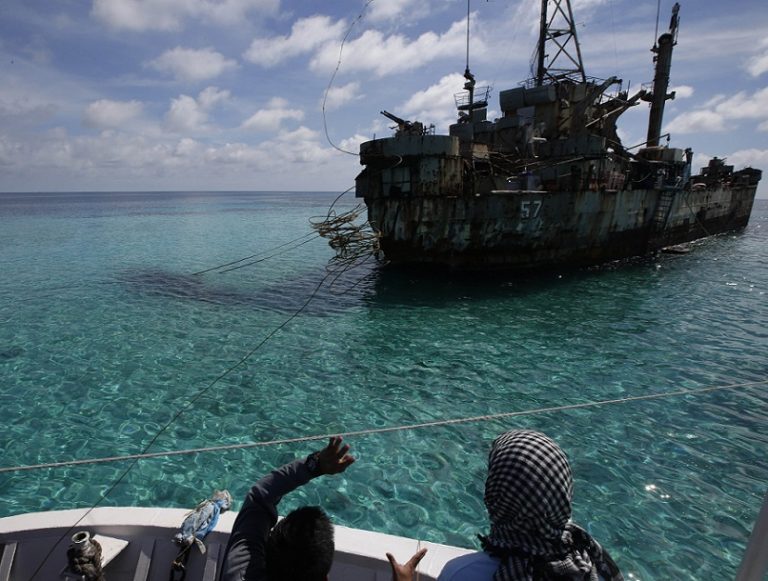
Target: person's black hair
[300, 547]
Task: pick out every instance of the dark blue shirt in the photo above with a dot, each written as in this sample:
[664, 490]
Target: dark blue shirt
[246, 551]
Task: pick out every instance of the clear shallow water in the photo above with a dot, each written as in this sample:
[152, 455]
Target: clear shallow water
[106, 334]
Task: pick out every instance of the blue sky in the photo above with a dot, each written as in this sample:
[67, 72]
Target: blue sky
[228, 94]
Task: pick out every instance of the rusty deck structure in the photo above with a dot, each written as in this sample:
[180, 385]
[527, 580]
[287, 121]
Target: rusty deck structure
[549, 183]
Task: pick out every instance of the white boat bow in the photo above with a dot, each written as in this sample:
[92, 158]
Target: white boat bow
[137, 546]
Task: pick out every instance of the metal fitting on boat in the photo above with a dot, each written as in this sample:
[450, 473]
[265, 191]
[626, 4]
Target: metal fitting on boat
[84, 557]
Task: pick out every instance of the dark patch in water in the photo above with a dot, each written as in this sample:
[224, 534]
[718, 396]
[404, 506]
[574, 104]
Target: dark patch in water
[11, 352]
[335, 294]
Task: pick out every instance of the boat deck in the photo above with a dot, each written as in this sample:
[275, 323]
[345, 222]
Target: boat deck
[145, 551]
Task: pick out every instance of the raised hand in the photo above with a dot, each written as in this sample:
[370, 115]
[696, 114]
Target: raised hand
[333, 459]
[405, 572]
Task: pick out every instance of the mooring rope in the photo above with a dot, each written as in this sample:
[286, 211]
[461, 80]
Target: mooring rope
[333, 78]
[265, 255]
[370, 431]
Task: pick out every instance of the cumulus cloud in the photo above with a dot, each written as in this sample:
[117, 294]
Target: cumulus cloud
[391, 9]
[191, 114]
[211, 96]
[758, 64]
[141, 15]
[749, 158]
[438, 96]
[384, 55]
[683, 91]
[104, 113]
[338, 96]
[720, 110]
[306, 35]
[695, 121]
[352, 144]
[303, 145]
[436, 104]
[271, 117]
[25, 109]
[187, 64]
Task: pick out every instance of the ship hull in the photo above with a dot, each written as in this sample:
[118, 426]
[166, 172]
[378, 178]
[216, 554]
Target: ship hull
[528, 230]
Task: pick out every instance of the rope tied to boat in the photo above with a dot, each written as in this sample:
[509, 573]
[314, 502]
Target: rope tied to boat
[350, 240]
[388, 429]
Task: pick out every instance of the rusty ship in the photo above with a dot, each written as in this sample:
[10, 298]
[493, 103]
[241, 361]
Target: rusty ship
[549, 183]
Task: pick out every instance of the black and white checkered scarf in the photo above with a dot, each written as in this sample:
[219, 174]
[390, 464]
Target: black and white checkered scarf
[528, 496]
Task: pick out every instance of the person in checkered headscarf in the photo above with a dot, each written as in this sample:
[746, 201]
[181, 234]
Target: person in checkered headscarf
[528, 495]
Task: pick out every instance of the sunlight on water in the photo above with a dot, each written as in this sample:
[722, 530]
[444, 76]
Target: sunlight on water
[106, 333]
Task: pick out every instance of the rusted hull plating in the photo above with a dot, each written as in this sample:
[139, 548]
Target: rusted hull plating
[536, 229]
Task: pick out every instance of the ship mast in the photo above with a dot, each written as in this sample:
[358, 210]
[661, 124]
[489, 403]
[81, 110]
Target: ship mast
[557, 33]
[663, 60]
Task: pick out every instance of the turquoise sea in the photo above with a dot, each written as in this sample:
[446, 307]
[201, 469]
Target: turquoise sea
[107, 336]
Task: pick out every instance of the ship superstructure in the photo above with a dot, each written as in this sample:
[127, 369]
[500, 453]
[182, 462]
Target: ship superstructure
[549, 182]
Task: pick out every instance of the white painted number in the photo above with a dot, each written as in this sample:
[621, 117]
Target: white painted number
[530, 209]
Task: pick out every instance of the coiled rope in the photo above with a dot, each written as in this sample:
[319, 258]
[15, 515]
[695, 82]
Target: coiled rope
[405, 427]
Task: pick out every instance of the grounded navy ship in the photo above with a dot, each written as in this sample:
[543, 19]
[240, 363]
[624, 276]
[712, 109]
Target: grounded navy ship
[549, 183]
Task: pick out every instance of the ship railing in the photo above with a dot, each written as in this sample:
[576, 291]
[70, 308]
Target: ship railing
[477, 99]
[557, 79]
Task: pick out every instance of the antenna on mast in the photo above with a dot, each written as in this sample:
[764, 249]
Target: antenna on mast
[467, 34]
[470, 84]
[465, 102]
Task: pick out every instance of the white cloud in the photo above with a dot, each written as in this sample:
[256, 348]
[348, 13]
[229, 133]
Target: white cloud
[714, 100]
[436, 104]
[185, 114]
[743, 106]
[389, 9]
[306, 35]
[302, 145]
[211, 96]
[187, 147]
[187, 64]
[232, 11]
[749, 158]
[140, 15]
[22, 108]
[105, 113]
[239, 154]
[437, 96]
[384, 55]
[189, 114]
[720, 111]
[758, 64]
[270, 118]
[352, 144]
[338, 96]
[695, 121]
[683, 91]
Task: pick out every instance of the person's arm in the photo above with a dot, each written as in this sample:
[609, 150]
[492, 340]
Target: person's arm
[270, 489]
[246, 548]
[405, 572]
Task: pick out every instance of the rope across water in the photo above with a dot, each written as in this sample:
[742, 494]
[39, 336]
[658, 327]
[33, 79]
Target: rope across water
[432, 424]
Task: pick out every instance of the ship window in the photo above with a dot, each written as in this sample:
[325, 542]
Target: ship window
[396, 180]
